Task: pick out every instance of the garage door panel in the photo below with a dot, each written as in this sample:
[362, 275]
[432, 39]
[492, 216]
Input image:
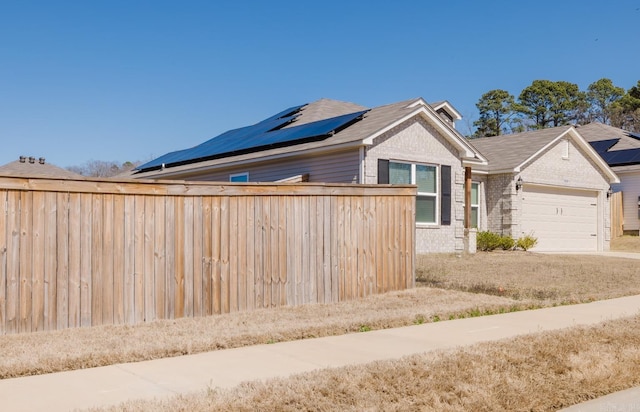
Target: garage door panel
[561, 219]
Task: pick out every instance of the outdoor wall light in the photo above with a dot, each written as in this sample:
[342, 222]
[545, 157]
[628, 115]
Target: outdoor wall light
[519, 183]
[609, 192]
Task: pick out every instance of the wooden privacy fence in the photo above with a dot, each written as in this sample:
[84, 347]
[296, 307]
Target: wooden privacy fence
[617, 215]
[84, 253]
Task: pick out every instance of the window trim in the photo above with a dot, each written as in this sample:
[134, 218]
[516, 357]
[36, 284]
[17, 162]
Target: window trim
[235, 175]
[476, 205]
[435, 195]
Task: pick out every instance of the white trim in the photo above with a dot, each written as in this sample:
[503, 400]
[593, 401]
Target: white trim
[362, 166]
[449, 109]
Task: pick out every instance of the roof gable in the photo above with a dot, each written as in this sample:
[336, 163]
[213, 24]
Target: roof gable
[511, 153]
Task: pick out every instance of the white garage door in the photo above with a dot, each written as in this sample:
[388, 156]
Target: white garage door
[561, 219]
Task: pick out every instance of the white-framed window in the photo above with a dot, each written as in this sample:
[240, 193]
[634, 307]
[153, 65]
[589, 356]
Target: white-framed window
[239, 177]
[426, 178]
[475, 204]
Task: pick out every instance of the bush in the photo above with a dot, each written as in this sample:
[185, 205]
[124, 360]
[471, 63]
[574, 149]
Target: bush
[507, 242]
[488, 241]
[526, 242]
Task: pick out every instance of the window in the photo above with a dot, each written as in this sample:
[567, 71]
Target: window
[475, 204]
[425, 177]
[239, 177]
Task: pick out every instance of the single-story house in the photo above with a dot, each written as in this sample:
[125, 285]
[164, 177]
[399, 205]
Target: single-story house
[621, 150]
[338, 142]
[548, 183]
[407, 142]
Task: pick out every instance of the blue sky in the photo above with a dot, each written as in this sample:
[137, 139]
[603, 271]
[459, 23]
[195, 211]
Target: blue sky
[132, 80]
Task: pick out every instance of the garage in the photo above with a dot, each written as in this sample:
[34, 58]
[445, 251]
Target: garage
[562, 219]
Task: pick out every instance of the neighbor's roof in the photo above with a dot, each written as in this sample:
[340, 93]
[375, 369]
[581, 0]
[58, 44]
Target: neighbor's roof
[31, 167]
[507, 152]
[618, 147]
[374, 122]
[594, 132]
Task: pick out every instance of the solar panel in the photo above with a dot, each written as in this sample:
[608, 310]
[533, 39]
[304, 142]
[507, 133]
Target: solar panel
[635, 135]
[269, 133]
[229, 140]
[602, 146]
[622, 157]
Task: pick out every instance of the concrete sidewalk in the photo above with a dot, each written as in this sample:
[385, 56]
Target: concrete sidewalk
[227, 368]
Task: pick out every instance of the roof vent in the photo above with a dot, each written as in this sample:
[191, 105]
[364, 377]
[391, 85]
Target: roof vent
[32, 159]
[41, 160]
[23, 159]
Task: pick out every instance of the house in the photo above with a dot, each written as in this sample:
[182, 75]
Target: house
[548, 183]
[417, 143]
[621, 150]
[32, 167]
[338, 142]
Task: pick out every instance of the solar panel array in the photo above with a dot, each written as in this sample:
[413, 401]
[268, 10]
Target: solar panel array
[269, 133]
[622, 157]
[602, 146]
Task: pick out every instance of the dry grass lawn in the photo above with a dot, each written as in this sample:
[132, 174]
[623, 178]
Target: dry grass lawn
[500, 282]
[548, 279]
[541, 372]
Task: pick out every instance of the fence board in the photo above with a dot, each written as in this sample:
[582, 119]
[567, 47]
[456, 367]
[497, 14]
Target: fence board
[74, 260]
[83, 253]
[62, 260]
[3, 260]
[107, 258]
[149, 260]
[37, 291]
[197, 283]
[118, 259]
[85, 259]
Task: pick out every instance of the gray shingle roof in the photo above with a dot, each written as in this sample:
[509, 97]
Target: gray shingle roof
[373, 122]
[36, 168]
[594, 132]
[506, 152]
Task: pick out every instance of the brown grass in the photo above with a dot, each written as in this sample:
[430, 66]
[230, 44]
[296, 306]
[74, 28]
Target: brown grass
[541, 372]
[626, 244]
[548, 279]
[519, 280]
[45, 352]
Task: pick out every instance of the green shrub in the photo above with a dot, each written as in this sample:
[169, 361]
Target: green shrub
[507, 242]
[526, 242]
[488, 241]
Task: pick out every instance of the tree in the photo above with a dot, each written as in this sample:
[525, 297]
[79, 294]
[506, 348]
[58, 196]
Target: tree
[626, 111]
[601, 95]
[550, 104]
[496, 109]
[100, 168]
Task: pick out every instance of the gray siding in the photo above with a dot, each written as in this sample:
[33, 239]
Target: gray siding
[335, 167]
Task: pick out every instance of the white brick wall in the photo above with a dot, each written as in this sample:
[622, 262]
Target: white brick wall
[417, 141]
[503, 203]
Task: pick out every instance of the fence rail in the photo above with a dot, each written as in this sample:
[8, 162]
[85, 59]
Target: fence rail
[84, 253]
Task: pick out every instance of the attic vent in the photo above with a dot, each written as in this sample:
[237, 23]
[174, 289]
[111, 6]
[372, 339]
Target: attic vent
[23, 159]
[32, 159]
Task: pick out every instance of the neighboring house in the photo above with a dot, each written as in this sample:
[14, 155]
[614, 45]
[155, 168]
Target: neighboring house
[549, 183]
[409, 142]
[32, 167]
[561, 196]
[621, 150]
